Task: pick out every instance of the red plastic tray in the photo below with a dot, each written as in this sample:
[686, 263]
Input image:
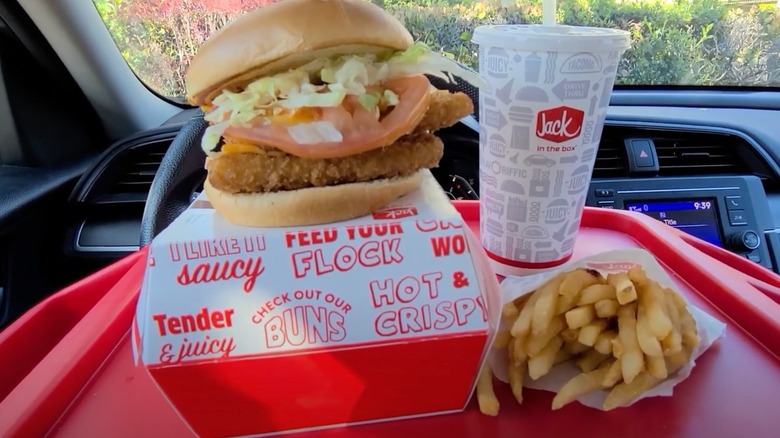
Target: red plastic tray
[87, 385]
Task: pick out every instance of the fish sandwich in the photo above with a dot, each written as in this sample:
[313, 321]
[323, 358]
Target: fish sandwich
[319, 111]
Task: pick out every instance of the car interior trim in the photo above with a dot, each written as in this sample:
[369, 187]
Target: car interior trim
[77, 246]
[79, 37]
[693, 98]
[676, 190]
[697, 127]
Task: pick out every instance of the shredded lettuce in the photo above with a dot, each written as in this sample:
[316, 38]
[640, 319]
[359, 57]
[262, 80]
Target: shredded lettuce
[244, 117]
[302, 99]
[420, 59]
[390, 98]
[326, 82]
[411, 55]
[369, 101]
[211, 137]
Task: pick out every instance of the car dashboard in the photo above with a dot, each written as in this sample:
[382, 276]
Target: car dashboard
[704, 172]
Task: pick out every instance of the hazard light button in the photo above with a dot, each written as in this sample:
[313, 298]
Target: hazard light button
[642, 156]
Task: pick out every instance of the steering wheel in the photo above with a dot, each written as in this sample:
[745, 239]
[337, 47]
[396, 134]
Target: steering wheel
[182, 168]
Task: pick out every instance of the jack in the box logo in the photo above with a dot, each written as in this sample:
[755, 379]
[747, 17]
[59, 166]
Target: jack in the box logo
[395, 212]
[559, 124]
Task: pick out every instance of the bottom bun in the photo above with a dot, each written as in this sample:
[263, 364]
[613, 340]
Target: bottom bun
[310, 206]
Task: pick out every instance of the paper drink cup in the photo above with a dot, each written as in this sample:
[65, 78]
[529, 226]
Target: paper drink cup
[541, 113]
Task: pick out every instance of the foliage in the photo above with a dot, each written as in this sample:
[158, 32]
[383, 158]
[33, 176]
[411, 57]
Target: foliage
[674, 42]
[159, 39]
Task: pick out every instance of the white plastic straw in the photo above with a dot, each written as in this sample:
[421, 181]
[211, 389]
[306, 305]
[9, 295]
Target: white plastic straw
[548, 12]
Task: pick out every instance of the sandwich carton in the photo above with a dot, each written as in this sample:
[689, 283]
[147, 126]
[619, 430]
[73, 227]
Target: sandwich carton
[261, 330]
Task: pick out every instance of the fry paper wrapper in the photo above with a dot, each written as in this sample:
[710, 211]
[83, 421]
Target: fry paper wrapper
[709, 328]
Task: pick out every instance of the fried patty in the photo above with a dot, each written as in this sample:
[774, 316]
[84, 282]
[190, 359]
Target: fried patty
[444, 110]
[272, 170]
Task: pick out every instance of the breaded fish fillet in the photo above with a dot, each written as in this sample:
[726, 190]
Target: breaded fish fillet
[445, 110]
[271, 170]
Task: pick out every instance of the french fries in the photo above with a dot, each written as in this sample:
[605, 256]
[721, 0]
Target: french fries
[604, 342]
[580, 316]
[614, 374]
[502, 340]
[626, 333]
[580, 385]
[633, 361]
[606, 308]
[624, 287]
[597, 292]
[516, 375]
[545, 308]
[536, 344]
[589, 334]
[540, 364]
[486, 396]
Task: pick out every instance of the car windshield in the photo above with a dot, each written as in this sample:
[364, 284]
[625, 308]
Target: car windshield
[702, 43]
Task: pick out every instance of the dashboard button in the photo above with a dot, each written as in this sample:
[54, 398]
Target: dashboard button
[641, 155]
[734, 203]
[737, 217]
[746, 240]
[604, 193]
[754, 257]
[606, 204]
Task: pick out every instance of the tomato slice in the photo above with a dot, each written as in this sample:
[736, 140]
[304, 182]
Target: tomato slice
[359, 128]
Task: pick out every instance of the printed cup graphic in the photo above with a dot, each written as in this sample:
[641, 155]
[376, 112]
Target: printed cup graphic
[533, 66]
[543, 110]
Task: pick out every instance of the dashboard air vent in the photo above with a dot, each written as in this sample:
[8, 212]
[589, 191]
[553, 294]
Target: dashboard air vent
[140, 165]
[682, 153]
[611, 159]
[697, 154]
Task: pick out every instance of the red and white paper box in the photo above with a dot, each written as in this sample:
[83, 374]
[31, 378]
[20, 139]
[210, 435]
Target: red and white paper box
[256, 331]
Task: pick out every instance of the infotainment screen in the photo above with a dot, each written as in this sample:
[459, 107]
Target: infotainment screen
[697, 217]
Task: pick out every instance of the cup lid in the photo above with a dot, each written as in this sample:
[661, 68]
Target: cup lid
[551, 38]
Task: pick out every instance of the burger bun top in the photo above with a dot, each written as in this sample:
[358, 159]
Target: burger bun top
[288, 34]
